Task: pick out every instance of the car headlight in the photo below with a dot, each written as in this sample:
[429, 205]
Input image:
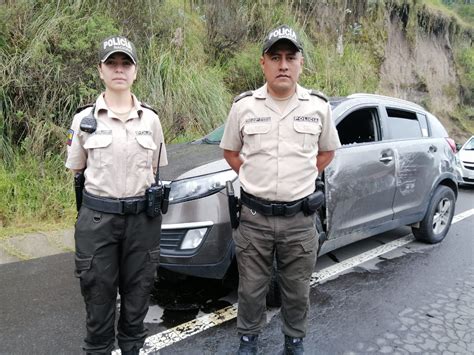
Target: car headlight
[199, 186]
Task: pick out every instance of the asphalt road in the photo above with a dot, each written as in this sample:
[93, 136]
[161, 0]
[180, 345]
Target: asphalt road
[418, 298]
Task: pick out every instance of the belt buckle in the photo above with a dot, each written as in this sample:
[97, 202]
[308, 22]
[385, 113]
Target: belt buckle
[129, 207]
[278, 209]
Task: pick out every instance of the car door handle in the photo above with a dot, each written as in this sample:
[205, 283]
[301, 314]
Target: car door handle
[433, 149]
[386, 159]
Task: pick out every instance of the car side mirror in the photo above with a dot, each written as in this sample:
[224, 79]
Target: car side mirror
[458, 146]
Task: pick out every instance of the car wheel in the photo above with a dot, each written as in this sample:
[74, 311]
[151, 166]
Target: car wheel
[435, 225]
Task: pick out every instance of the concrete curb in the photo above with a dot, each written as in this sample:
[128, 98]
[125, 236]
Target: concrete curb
[36, 245]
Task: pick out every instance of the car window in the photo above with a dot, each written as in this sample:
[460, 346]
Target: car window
[437, 129]
[469, 145]
[403, 124]
[423, 124]
[360, 126]
[215, 136]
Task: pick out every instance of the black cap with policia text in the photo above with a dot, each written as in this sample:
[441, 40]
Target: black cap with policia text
[279, 33]
[117, 44]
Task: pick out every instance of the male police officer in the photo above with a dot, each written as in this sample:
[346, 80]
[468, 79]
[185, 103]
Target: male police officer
[277, 138]
[116, 142]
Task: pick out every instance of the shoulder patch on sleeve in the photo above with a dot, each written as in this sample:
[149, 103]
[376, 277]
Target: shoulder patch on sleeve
[242, 95]
[319, 94]
[81, 108]
[142, 104]
[70, 136]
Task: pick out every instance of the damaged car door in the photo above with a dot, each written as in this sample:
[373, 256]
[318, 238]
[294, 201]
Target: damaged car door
[360, 182]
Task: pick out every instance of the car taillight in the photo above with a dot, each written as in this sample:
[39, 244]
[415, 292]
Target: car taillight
[452, 144]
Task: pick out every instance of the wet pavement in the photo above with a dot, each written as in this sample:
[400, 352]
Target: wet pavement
[415, 299]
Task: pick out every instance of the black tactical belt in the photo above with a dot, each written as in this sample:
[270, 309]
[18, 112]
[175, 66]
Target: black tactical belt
[270, 208]
[122, 206]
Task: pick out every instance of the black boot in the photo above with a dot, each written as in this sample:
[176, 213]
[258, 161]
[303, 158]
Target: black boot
[248, 345]
[293, 346]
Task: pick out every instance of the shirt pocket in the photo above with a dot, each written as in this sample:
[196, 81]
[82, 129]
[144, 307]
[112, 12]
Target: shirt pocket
[146, 148]
[99, 150]
[310, 132]
[254, 134]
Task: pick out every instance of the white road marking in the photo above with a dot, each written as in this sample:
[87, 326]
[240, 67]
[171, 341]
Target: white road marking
[173, 335]
[331, 271]
[463, 215]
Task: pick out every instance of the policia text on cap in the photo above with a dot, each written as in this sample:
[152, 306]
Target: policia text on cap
[277, 138]
[115, 146]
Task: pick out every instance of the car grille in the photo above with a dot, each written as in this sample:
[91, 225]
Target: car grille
[468, 180]
[171, 238]
[468, 164]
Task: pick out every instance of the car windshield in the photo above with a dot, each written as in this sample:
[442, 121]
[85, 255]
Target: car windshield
[215, 136]
[469, 145]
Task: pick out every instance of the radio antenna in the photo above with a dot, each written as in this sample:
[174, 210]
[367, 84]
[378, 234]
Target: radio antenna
[157, 176]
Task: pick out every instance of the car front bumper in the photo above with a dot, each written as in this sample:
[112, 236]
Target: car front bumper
[465, 173]
[211, 259]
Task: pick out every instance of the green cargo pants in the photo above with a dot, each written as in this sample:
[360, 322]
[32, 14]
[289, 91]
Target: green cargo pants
[295, 242]
[115, 252]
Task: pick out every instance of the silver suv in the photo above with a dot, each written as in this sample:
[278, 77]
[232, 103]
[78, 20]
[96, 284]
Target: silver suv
[465, 163]
[395, 168]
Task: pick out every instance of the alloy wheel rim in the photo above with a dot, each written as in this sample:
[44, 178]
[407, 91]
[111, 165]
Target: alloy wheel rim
[441, 216]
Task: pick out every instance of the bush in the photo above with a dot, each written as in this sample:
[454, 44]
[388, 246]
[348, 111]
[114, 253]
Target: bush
[34, 191]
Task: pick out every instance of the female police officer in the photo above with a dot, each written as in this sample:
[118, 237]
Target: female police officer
[116, 143]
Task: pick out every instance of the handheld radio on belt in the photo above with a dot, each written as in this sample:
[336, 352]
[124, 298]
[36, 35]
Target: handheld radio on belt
[157, 195]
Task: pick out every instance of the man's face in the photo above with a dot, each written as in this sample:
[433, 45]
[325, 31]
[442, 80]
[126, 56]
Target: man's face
[118, 72]
[282, 66]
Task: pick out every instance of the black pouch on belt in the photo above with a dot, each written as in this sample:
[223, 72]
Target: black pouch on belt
[234, 205]
[313, 202]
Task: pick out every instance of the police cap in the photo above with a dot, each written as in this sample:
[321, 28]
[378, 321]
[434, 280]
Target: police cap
[117, 44]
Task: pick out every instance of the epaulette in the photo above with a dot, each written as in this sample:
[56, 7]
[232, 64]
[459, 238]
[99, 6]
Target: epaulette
[242, 95]
[81, 108]
[318, 94]
[148, 107]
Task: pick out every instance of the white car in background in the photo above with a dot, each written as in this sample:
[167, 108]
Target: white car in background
[465, 163]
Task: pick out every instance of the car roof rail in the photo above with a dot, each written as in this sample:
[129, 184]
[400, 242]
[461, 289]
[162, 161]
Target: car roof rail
[390, 98]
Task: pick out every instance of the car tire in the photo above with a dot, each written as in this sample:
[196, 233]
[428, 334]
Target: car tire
[274, 293]
[435, 225]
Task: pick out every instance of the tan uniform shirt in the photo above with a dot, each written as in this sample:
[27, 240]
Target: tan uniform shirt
[279, 149]
[120, 157]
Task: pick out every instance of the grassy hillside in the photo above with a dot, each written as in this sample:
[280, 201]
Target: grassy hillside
[194, 57]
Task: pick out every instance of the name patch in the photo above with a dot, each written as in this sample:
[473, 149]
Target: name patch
[103, 132]
[258, 119]
[143, 133]
[306, 119]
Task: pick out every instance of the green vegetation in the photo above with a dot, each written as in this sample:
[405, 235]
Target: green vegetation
[195, 55]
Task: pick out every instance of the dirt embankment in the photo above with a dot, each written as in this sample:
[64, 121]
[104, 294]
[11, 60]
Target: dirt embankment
[415, 44]
[422, 70]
